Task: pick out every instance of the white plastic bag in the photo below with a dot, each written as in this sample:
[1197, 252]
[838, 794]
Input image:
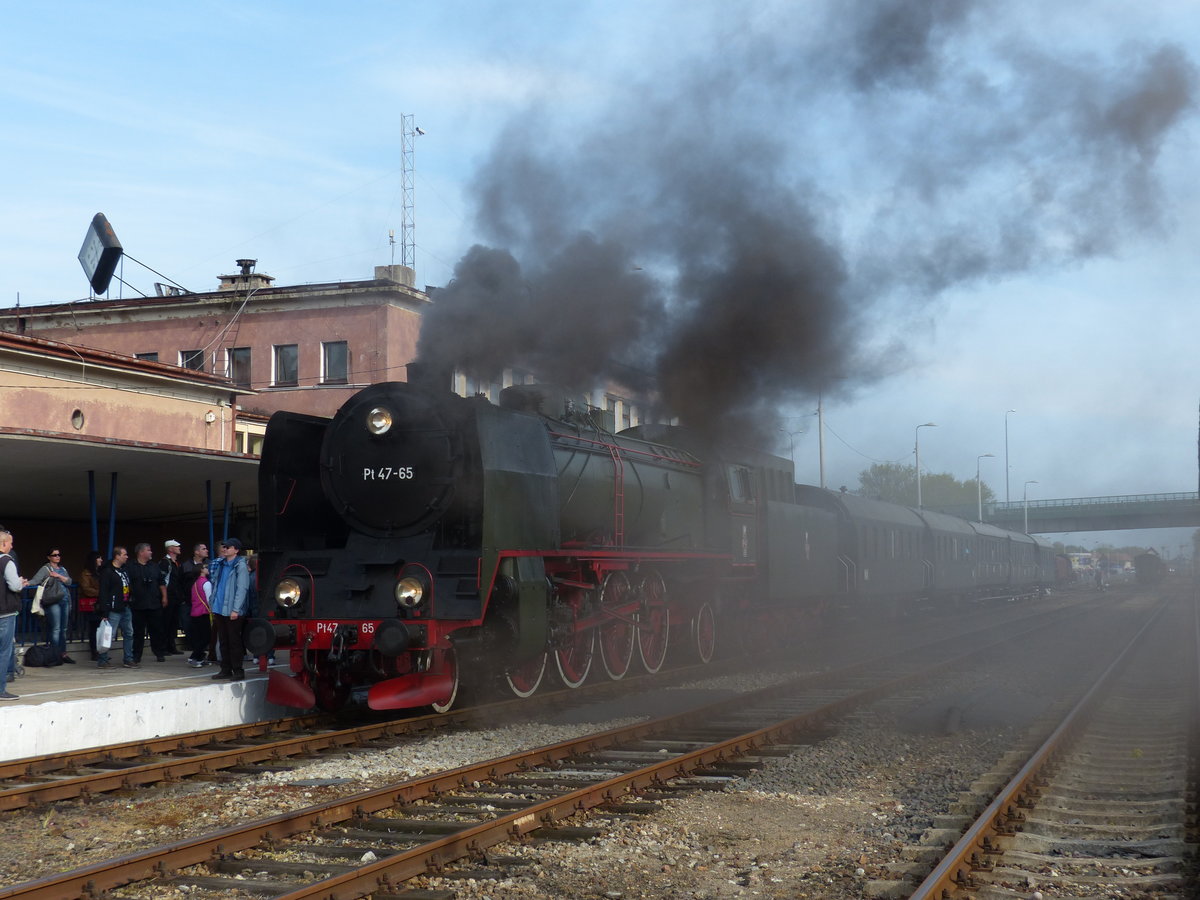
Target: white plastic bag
[104, 636]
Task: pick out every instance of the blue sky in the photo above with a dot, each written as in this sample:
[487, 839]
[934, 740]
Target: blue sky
[995, 255]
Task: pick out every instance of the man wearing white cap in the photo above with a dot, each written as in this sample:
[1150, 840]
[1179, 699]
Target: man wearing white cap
[173, 596]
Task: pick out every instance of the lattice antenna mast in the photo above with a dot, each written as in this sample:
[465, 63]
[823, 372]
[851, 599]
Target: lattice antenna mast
[407, 228]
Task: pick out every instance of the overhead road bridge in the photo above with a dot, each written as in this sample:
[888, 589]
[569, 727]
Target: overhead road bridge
[1097, 513]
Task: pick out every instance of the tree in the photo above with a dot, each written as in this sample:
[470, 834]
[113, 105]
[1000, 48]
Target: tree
[892, 482]
[897, 483]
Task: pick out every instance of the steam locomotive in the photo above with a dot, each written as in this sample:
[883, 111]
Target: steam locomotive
[419, 543]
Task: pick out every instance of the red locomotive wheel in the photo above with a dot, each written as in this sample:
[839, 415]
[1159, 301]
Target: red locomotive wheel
[575, 659]
[704, 633]
[654, 618]
[525, 679]
[450, 665]
[617, 636]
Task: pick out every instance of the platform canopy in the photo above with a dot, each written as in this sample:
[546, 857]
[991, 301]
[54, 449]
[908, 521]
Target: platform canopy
[46, 478]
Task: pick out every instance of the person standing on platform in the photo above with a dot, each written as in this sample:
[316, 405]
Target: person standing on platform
[89, 590]
[146, 600]
[173, 593]
[56, 601]
[113, 602]
[11, 584]
[199, 630]
[231, 583]
[190, 569]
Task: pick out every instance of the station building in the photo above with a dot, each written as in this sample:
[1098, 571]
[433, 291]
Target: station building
[304, 348]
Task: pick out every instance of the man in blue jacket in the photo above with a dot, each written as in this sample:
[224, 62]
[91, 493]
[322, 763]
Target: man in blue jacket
[231, 582]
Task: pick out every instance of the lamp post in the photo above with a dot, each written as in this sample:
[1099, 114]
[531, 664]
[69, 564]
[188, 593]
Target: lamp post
[821, 436]
[1007, 498]
[917, 453]
[792, 444]
[978, 483]
[1027, 484]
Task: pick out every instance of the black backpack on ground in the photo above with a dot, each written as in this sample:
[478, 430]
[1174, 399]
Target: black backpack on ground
[42, 655]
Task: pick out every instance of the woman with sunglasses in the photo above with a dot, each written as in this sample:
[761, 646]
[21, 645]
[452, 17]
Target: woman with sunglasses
[56, 601]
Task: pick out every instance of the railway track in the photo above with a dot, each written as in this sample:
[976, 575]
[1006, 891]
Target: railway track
[1105, 806]
[373, 841]
[235, 751]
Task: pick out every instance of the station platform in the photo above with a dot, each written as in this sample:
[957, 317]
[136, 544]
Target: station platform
[72, 707]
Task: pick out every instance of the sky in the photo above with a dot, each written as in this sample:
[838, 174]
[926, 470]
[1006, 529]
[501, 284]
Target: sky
[916, 210]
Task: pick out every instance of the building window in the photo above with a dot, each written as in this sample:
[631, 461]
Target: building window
[148, 357]
[239, 366]
[286, 372]
[248, 442]
[335, 362]
[192, 359]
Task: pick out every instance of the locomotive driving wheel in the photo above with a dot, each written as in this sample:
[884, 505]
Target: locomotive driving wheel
[449, 665]
[616, 636]
[523, 680]
[574, 659]
[653, 622]
[574, 647]
[704, 633]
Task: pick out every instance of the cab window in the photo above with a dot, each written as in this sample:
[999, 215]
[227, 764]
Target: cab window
[741, 486]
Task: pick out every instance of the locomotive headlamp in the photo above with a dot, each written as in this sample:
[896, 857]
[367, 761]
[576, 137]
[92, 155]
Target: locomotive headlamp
[288, 592]
[410, 592]
[379, 420]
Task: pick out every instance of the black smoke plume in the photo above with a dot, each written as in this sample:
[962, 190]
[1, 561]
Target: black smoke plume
[738, 231]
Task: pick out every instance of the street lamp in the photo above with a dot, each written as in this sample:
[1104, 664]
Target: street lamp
[1007, 498]
[917, 452]
[978, 483]
[1027, 484]
[792, 444]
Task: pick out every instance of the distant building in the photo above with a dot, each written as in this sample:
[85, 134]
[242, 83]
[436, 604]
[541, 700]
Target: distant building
[305, 348]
